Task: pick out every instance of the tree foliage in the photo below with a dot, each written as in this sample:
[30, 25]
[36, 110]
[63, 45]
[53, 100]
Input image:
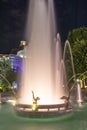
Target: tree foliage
[78, 42]
[7, 75]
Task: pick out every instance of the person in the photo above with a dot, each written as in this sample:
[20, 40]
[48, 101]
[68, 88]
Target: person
[34, 101]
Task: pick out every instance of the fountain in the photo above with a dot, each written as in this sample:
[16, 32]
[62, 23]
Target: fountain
[79, 95]
[43, 80]
[76, 85]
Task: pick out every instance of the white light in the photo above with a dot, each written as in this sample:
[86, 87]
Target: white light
[13, 102]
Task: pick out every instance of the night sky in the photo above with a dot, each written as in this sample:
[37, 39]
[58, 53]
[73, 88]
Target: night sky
[70, 14]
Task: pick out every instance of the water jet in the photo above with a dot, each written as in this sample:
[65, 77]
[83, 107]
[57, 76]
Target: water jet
[44, 72]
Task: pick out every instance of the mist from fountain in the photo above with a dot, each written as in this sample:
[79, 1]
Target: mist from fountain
[43, 64]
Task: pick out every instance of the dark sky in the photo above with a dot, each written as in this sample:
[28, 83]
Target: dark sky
[70, 14]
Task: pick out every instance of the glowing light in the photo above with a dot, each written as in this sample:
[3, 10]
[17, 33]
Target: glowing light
[13, 102]
[34, 107]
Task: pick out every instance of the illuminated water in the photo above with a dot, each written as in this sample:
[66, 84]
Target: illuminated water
[10, 121]
[67, 47]
[43, 68]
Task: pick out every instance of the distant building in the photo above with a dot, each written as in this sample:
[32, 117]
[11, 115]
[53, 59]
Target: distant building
[16, 63]
[15, 60]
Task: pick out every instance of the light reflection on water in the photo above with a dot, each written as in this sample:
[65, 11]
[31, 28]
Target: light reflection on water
[10, 121]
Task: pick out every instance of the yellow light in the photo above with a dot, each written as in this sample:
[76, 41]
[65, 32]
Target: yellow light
[85, 86]
[34, 107]
[14, 102]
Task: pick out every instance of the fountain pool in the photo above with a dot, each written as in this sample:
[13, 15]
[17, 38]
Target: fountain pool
[10, 121]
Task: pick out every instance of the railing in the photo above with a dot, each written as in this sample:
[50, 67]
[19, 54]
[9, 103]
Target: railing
[50, 107]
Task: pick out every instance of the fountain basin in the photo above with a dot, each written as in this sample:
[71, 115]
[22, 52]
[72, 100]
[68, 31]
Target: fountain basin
[43, 111]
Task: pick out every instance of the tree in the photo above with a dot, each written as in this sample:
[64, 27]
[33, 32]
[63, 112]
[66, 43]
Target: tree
[78, 42]
[7, 75]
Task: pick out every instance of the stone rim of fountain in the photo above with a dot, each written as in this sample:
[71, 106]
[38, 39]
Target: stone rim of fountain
[43, 111]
